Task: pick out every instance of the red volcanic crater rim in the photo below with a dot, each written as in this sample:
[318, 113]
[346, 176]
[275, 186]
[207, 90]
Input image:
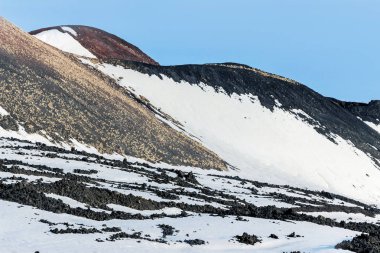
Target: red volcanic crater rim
[103, 44]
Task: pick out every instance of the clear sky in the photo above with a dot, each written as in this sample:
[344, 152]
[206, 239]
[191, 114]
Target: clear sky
[333, 46]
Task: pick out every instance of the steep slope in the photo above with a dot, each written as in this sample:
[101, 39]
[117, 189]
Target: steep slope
[45, 91]
[91, 42]
[271, 128]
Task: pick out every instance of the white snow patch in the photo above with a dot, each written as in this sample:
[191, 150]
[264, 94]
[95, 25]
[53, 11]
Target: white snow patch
[64, 42]
[299, 111]
[69, 201]
[278, 104]
[21, 134]
[42, 137]
[373, 125]
[3, 112]
[347, 217]
[83, 147]
[70, 30]
[167, 210]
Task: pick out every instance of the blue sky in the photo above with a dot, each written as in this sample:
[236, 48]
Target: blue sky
[333, 46]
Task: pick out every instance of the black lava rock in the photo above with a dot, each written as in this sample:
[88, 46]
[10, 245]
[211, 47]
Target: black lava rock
[248, 239]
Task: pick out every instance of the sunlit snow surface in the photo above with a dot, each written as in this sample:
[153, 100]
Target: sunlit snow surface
[26, 234]
[270, 146]
[64, 41]
[24, 228]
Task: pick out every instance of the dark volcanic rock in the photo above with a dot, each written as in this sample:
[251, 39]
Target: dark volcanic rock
[293, 235]
[80, 230]
[121, 235]
[166, 230]
[363, 243]
[193, 242]
[88, 172]
[247, 239]
[111, 229]
[367, 112]
[273, 236]
[188, 177]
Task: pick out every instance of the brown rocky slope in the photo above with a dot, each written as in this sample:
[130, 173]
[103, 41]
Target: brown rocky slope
[48, 91]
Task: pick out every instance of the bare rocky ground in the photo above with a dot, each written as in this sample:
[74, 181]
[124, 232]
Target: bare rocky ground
[96, 188]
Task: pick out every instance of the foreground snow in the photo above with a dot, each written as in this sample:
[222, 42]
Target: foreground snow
[27, 228]
[21, 231]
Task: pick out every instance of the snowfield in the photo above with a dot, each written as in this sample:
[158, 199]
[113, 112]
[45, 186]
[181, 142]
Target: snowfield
[25, 234]
[270, 146]
[56, 200]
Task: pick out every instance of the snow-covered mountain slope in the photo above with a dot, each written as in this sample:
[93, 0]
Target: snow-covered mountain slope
[183, 119]
[91, 42]
[270, 128]
[50, 93]
[56, 200]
